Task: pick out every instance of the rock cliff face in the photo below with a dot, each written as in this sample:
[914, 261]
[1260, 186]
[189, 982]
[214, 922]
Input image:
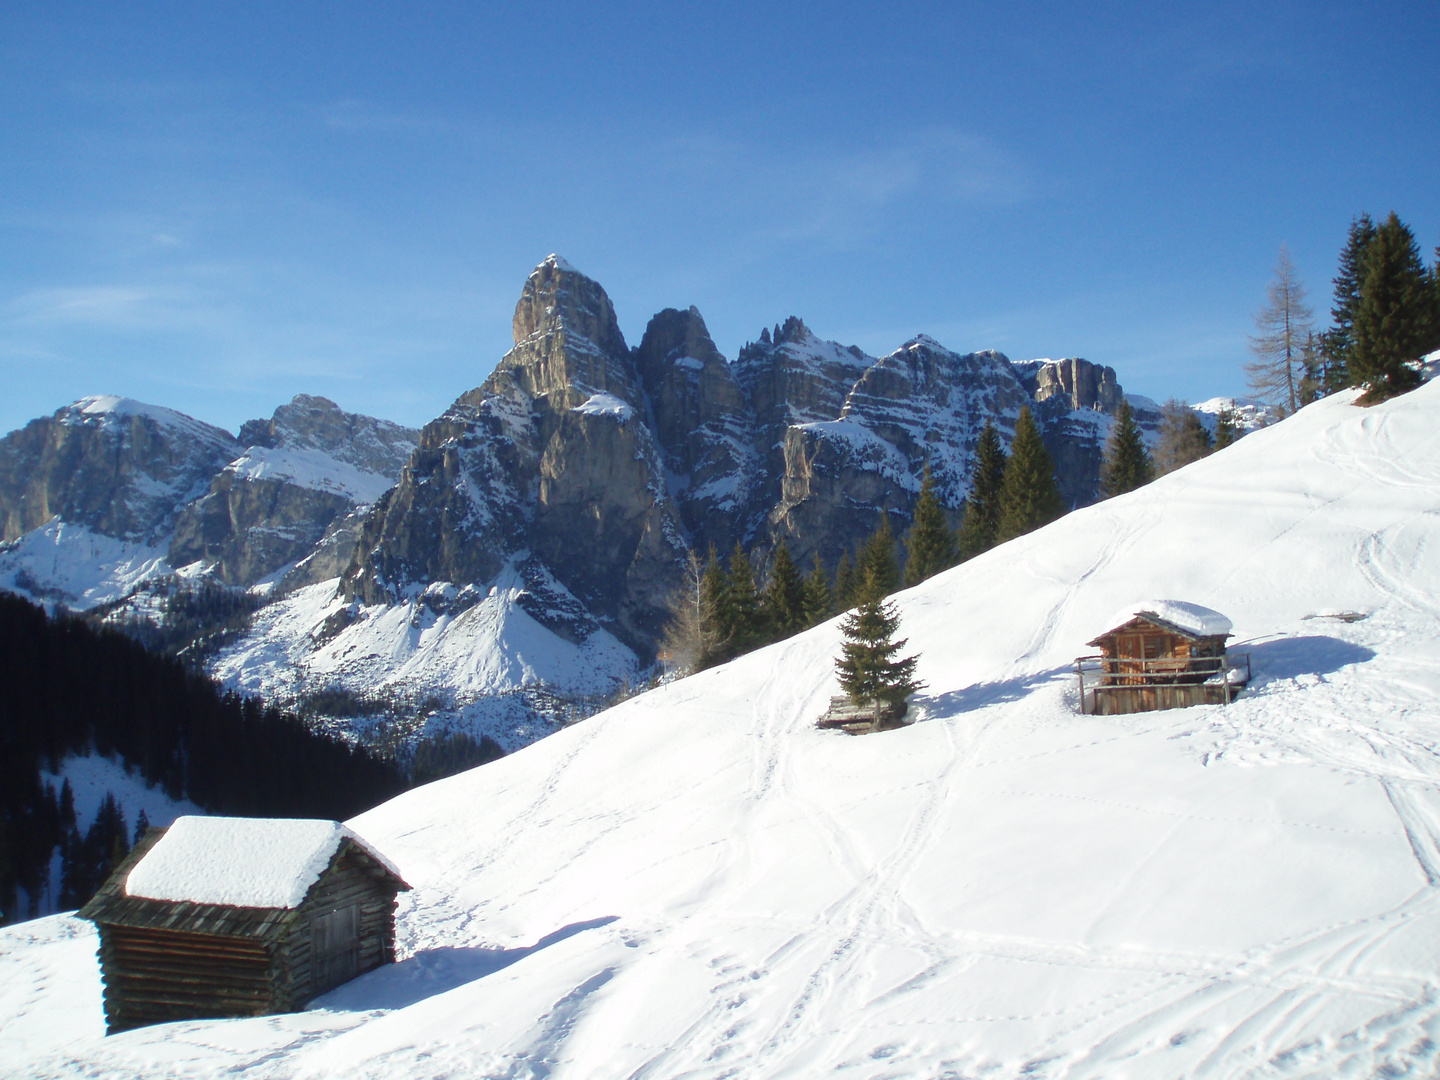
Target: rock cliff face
[306, 467]
[922, 404]
[704, 425]
[118, 467]
[551, 457]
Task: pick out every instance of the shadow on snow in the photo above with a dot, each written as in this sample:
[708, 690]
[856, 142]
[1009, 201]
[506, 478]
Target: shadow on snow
[434, 971]
[1312, 654]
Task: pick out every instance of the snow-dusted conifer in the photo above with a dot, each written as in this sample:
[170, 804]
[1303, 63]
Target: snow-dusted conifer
[819, 604]
[1127, 463]
[981, 525]
[930, 544]
[784, 599]
[1029, 496]
[1392, 317]
[876, 566]
[867, 667]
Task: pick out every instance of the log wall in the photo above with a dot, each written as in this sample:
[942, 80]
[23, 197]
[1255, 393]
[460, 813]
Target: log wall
[153, 976]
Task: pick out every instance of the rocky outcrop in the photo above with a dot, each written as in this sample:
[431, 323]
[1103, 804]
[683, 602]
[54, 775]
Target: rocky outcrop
[1078, 383]
[552, 457]
[1075, 404]
[371, 445]
[921, 405]
[703, 423]
[306, 467]
[118, 467]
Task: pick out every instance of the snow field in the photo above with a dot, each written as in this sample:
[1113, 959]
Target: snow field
[698, 883]
[488, 648]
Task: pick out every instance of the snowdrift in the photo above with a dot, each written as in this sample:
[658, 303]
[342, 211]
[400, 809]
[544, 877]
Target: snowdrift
[700, 884]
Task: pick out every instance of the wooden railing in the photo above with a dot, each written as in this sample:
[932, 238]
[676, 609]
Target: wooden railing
[1118, 673]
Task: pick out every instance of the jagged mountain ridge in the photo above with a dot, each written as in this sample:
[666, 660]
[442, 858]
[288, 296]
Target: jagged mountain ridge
[544, 517]
[608, 464]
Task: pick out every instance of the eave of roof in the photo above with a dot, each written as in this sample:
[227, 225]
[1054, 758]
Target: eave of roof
[1161, 624]
[111, 905]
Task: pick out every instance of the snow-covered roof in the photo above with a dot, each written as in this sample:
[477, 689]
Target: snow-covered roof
[245, 862]
[1192, 618]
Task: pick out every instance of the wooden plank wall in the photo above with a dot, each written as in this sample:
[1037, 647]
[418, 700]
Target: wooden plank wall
[153, 976]
[1114, 701]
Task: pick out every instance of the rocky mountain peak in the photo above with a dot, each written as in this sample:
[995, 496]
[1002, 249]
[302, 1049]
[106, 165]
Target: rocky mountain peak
[117, 466]
[568, 344]
[677, 338]
[556, 296]
[311, 422]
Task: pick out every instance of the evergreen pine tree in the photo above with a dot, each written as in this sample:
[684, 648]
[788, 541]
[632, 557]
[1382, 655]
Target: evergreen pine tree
[846, 583]
[784, 600]
[1392, 318]
[742, 619]
[1336, 342]
[876, 566]
[818, 603]
[1434, 342]
[867, 666]
[930, 543]
[980, 529]
[1029, 497]
[1224, 428]
[714, 604]
[67, 805]
[142, 823]
[1127, 463]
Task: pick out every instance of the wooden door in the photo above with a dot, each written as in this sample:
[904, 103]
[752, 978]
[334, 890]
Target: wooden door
[335, 941]
[1129, 647]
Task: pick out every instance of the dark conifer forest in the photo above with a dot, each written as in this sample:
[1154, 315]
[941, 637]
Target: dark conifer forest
[69, 688]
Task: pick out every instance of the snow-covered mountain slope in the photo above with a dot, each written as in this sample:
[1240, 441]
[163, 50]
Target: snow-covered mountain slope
[452, 658]
[1246, 414]
[699, 883]
[89, 496]
[77, 566]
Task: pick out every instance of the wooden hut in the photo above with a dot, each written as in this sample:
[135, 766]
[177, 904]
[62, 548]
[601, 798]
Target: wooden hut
[240, 917]
[1161, 654]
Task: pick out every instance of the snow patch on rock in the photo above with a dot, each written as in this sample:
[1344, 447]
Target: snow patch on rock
[315, 470]
[603, 404]
[77, 567]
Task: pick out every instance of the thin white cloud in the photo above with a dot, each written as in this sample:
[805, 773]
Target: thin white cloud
[96, 305]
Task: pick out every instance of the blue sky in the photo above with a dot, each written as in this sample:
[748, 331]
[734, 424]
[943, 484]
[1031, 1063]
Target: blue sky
[215, 207]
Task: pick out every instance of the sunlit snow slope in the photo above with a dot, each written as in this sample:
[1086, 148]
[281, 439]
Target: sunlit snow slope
[701, 884]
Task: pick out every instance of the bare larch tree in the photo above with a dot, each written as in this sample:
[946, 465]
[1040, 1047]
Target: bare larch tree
[1283, 326]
